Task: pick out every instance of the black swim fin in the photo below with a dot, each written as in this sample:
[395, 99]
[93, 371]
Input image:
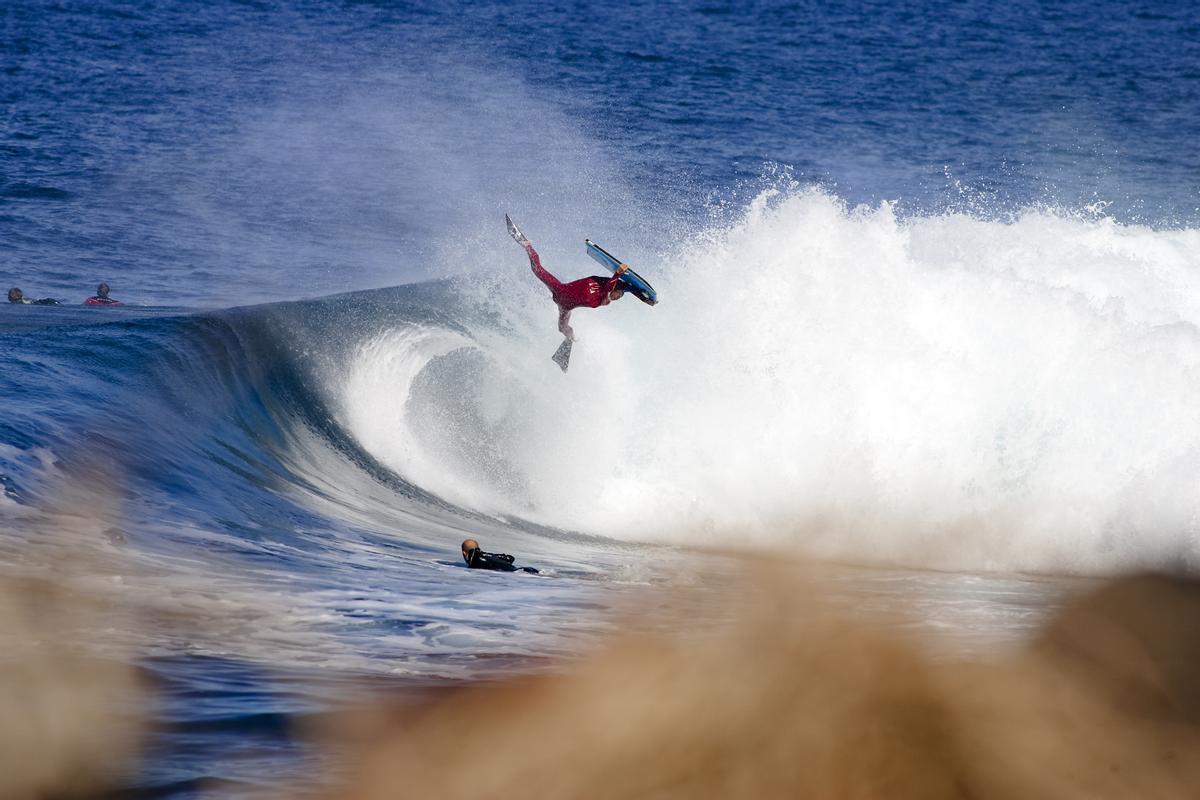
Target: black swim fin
[562, 356]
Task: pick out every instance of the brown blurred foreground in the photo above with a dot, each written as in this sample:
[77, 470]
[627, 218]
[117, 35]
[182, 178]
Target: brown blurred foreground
[789, 699]
[70, 720]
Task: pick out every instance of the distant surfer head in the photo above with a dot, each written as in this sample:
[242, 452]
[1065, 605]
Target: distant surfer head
[15, 295]
[467, 546]
[102, 290]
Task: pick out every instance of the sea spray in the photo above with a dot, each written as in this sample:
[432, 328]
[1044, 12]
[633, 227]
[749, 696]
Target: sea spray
[1004, 394]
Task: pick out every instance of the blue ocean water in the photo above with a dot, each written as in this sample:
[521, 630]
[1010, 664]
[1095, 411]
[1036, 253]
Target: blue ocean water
[924, 269]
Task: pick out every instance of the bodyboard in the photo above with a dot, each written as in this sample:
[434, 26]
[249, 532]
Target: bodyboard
[633, 282]
[562, 356]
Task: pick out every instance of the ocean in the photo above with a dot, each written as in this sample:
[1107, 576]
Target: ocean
[928, 311]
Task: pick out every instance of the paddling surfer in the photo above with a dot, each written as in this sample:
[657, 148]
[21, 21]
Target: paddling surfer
[15, 295]
[101, 298]
[473, 554]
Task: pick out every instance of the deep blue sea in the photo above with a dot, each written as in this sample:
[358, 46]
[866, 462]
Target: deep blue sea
[930, 301]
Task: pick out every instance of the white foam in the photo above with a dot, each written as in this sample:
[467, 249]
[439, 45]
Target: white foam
[375, 404]
[1008, 395]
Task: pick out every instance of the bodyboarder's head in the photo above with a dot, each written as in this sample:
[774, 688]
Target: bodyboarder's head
[102, 290]
[467, 546]
[617, 292]
[15, 295]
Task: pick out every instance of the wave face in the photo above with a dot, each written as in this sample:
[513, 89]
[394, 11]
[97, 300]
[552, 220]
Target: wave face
[936, 391]
[994, 394]
[969, 379]
[282, 488]
[204, 462]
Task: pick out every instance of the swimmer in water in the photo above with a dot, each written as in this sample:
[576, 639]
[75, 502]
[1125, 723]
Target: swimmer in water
[101, 297]
[15, 295]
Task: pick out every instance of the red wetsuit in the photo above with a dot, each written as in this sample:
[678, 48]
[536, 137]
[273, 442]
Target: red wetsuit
[592, 291]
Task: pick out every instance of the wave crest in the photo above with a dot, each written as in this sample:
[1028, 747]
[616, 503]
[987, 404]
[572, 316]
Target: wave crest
[1012, 395]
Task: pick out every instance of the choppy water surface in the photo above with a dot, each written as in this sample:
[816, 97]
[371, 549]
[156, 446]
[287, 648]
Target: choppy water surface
[928, 309]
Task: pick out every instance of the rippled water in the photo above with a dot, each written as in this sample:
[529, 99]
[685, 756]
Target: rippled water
[926, 277]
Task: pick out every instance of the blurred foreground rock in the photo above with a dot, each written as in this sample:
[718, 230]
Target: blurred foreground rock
[788, 699]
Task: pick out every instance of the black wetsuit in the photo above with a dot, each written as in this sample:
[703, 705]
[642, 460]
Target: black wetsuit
[45, 301]
[502, 562]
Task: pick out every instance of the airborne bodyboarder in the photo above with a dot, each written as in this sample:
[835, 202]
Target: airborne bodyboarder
[592, 292]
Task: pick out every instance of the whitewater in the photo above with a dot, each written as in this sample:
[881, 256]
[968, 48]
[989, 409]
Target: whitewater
[996, 394]
[928, 319]
[945, 392]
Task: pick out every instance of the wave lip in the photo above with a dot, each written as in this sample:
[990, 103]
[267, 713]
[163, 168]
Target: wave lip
[378, 389]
